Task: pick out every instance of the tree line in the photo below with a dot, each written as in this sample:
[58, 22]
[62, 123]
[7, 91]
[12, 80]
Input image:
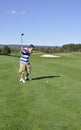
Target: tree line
[6, 50]
[58, 49]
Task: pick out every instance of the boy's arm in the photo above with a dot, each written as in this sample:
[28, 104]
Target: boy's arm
[21, 49]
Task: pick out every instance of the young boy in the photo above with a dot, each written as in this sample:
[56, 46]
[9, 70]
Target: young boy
[25, 66]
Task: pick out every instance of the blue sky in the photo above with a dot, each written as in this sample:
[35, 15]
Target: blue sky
[43, 22]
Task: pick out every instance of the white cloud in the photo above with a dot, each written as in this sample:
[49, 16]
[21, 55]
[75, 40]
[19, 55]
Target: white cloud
[14, 12]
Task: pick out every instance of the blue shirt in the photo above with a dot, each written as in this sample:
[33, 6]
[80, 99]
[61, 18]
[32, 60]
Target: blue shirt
[25, 56]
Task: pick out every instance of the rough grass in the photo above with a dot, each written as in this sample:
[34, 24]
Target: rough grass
[38, 105]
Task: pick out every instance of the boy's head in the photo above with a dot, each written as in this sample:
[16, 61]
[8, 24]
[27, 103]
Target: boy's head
[31, 46]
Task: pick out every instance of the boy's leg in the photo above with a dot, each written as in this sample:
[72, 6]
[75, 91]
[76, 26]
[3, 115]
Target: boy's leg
[22, 71]
[22, 75]
[28, 71]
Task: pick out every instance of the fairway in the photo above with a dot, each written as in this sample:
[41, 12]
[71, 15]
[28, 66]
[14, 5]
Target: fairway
[50, 101]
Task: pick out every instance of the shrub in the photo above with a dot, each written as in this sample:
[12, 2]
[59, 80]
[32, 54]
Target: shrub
[5, 50]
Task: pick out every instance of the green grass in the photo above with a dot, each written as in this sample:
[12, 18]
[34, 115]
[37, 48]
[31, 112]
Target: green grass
[37, 105]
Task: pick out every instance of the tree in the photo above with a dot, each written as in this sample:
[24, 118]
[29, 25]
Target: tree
[5, 50]
[0, 51]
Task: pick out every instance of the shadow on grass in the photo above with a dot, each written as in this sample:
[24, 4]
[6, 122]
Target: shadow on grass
[44, 77]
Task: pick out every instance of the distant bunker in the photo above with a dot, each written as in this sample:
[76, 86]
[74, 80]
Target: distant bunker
[49, 56]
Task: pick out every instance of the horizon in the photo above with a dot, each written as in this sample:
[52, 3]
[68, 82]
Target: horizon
[40, 45]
